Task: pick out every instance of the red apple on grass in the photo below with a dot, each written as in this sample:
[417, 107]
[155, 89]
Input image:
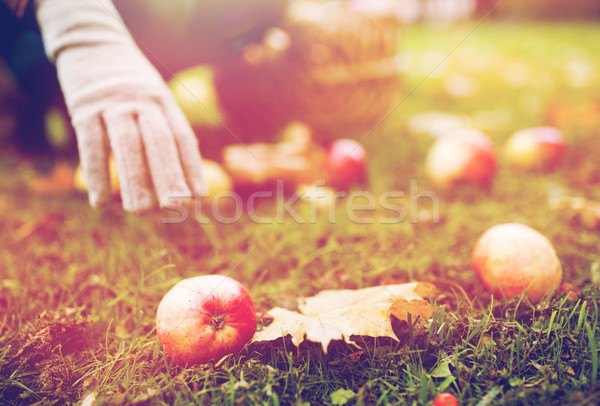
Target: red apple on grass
[538, 148]
[463, 155]
[205, 318]
[345, 163]
[513, 258]
[445, 399]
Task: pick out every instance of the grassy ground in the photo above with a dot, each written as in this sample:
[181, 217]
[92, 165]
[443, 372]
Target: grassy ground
[79, 288]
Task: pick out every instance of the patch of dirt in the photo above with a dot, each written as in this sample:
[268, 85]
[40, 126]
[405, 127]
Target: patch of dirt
[43, 362]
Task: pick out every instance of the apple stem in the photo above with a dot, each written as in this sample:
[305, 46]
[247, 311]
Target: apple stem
[218, 322]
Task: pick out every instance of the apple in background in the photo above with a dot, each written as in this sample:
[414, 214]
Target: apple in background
[205, 318]
[216, 179]
[511, 258]
[115, 187]
[538, 148]
[345, 163]
[463, 155]
[195, 93]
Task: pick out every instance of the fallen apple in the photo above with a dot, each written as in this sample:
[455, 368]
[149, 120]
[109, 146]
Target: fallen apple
[445, 399]
[345, 163]
[115, 187]
[513, 258]
[205, 318]
[538, 148]
[463, 155]
[216, 179]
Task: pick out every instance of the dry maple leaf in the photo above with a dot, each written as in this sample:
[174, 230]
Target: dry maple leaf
[401, 309]
[343, 314]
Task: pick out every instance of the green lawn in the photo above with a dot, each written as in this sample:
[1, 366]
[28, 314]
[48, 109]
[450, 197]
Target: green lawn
[79, 288]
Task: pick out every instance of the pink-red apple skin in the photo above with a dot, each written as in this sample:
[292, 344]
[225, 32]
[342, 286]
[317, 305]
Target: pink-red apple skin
[512, 258]
[445, 399]
[205, 318]
[538, 148]
[345, 163]
[464, 155]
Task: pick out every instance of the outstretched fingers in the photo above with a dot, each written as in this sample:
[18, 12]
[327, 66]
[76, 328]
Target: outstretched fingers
[188, 148]
[164, 160]
[128, 150]
[93, 155]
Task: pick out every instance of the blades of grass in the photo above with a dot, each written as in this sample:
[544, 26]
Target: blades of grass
[581, 317]
[551, 323]
[573, 312]
[203, 392]
[423, 388]
[446, 382]
[490, 396]
[595, 302]
[521, 297]
[519, 346]
[22, 386]
[489, 316]
[106, 336]
[441, 330]
[231, 389]
[124, 294]
[593, 352]
[290, 372]
[4, 352]
[512, 357]
[383, 398]
[160, 269]
[478, 327]
[438, 317]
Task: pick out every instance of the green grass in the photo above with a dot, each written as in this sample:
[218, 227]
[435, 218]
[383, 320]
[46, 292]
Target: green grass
[93, 279]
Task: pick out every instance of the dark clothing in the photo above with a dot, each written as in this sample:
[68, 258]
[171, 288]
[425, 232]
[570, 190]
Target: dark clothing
[22, 50]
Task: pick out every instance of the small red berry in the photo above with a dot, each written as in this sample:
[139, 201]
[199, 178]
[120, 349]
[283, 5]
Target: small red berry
[445, 399]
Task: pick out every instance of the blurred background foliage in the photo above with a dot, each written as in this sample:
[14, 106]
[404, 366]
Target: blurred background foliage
[542, 9]
[451, 10]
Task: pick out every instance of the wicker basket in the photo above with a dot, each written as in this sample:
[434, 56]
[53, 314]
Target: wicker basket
[337, 73]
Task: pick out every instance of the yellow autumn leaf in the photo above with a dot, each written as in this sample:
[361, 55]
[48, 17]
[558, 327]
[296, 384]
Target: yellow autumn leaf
[401, 309]
[340, 315]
